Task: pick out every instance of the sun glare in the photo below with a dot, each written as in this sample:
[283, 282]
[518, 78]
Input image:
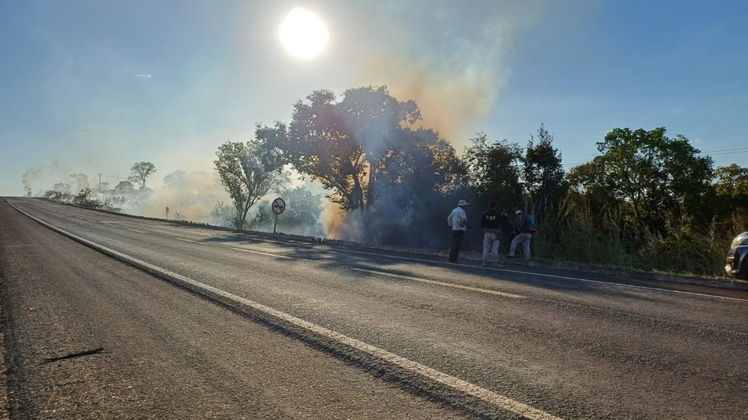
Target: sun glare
[303, 33]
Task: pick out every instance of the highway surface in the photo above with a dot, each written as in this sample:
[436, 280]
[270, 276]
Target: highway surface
[188, 322]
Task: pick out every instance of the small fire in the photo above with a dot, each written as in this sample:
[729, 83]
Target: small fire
[332, 218]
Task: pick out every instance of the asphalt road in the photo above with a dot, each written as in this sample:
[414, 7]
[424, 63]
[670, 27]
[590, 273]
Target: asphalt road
[88, 336]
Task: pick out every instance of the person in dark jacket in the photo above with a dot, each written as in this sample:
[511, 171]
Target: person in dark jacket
[526, 228]
[490, 222]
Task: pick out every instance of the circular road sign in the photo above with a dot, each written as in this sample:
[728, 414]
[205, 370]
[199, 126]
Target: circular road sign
[279, 206]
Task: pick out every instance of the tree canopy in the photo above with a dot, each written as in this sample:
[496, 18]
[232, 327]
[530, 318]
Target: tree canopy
[366, 151]
[140, 172]
[647, 172]
[495, 170]
[124, 187]
[248, 171]
[543, 174]
[345, 144]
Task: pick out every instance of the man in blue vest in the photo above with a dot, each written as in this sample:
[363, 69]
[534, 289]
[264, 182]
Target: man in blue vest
[526, 228]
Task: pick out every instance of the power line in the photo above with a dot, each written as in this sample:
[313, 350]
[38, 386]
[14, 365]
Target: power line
[739, 149]
[736, 152]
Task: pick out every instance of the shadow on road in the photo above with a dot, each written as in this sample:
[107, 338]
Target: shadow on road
[333, 256]
[74, 355]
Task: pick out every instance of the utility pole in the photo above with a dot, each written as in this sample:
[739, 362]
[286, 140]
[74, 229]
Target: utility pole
[99, 181]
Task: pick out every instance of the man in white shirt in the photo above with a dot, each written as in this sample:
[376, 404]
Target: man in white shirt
[457, 220]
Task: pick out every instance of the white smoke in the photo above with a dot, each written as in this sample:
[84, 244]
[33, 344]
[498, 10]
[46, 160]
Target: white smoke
[455, 65]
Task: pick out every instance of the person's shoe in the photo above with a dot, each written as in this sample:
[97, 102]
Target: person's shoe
[496, 265]
[510, 256]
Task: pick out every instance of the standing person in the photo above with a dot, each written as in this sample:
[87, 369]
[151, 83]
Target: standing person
[457, 220]
[526, 224]
[490, 222]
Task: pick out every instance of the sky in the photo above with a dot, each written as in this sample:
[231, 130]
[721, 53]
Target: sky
[94, 86]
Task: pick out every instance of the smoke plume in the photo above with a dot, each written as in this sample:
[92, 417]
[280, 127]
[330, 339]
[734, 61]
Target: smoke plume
[28, 177]
[455, 66]
[33, 174]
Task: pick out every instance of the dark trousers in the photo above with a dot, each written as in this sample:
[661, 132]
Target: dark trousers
[456, 244]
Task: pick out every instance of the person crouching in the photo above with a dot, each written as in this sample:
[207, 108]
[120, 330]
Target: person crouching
[526, 225]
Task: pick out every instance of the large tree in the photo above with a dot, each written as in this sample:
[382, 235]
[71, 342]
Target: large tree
[647, 172]
[345, 144]
[140, 172]
[248, 171]
[393, 179]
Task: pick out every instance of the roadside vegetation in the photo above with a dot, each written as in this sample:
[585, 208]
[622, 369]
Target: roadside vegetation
[645, 201]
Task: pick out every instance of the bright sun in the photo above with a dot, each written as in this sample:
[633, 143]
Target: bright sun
[303, 33]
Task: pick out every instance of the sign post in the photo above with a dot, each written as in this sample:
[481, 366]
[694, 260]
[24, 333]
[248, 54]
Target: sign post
[279, 206]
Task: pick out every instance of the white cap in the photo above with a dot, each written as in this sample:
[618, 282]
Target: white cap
[518, 212]
[462, 203]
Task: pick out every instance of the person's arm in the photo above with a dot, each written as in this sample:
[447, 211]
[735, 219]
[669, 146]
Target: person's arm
[449, 219]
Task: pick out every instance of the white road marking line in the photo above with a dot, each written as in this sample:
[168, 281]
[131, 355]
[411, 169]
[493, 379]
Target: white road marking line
[490, 397]
[268, 254]
[188, 240]
[399, 257]
[400, 276]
